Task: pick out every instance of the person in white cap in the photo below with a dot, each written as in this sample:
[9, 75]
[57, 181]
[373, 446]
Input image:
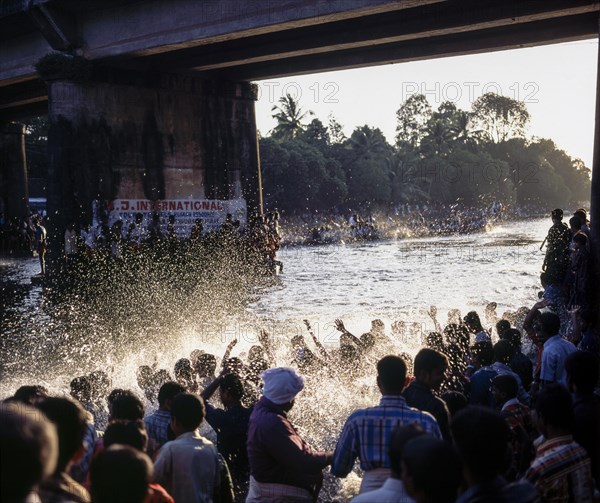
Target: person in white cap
[283, 467]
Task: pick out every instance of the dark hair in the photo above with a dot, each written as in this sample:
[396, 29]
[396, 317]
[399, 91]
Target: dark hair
[434, 340]
[457, 334]
[28, 450]
[455, 401]
[132, 433]
[434, 468]
[507, 384]
[81, 388]
[188, 409]
[100, 383]
[391, 374]
[513, 336]
[502, 327]
[555, 406]
[30, 394]
[206, 364]
[233, 385]
[120, 474]
[168, 391]
[575, 222]
[550, 323]
[472, 319]
[400, 436]
[484, 352]
[126, 405]
[503, 350]
[427, 360]
[481, 437]
[70, 420]
[183, 370]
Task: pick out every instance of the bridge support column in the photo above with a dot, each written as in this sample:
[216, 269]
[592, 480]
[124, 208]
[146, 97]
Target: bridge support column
[595, 192]
[132, 137]
[14, 194]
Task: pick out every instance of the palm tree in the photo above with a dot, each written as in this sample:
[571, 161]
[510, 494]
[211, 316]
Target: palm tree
[289, 116]
[406, 178]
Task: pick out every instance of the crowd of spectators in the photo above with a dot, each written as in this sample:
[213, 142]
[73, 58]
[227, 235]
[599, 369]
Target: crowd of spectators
[491, 409]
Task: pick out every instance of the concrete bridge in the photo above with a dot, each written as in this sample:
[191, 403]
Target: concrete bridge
[152, 99]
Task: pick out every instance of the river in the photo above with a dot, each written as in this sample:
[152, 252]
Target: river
[391, 280]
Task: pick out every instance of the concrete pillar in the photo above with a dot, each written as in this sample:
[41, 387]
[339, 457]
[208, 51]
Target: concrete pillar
[169, 137]
[13, 171]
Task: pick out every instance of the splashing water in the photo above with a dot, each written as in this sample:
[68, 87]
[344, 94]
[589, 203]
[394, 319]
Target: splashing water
[156, 313]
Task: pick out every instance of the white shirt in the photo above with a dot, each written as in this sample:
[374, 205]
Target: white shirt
[188, 468]
[392, 491]
[555, 352]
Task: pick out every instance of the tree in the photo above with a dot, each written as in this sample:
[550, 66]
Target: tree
[500, 117]
[289, 116]
[336, 130]
[316, 134]
[413, 116]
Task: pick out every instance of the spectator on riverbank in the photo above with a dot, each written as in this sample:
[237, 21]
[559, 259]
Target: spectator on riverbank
[473, 323]
[157, 424]
[70, 420]
[133, 434]
[231, 426]
[189, 467]
[431, 470]
[503, 352]
[482, 437]
[557, 242]
[482, 354]
[582, 378]
[518, 417]
[121, 474]
[28, 452]
[282, 464]
[430, 373]
[561, 470]
[393, 490]
[367, 433]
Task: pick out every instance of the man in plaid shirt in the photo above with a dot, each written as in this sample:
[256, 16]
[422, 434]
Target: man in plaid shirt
[367, 432]
[561, 470]
[157, 424]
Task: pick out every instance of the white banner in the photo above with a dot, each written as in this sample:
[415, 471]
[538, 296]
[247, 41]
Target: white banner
[212, 212]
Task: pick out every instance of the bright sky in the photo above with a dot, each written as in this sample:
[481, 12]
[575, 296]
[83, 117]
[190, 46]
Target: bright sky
[557, 83]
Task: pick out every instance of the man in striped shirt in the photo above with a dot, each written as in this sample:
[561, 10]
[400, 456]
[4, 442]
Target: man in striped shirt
[561, 470]
[367, 432]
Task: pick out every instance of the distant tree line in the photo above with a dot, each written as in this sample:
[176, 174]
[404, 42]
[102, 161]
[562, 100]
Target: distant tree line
[447, 155]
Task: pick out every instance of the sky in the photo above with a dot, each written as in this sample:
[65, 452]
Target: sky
[556, 82]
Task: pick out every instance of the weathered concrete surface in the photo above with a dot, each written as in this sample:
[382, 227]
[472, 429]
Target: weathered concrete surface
[179, 139]
[13, 172]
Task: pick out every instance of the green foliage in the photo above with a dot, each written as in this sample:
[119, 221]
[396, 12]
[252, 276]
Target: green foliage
[500, 117]
[289, 117]
[446, 155]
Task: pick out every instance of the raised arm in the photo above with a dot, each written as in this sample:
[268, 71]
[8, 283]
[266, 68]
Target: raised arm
[339, 324]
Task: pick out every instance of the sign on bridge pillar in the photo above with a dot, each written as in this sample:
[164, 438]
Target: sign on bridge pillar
[14, 194]
[122, 136]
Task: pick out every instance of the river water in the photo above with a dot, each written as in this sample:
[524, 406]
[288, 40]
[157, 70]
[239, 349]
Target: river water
[391, 280]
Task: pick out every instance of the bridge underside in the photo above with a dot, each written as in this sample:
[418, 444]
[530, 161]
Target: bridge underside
[254, 48]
